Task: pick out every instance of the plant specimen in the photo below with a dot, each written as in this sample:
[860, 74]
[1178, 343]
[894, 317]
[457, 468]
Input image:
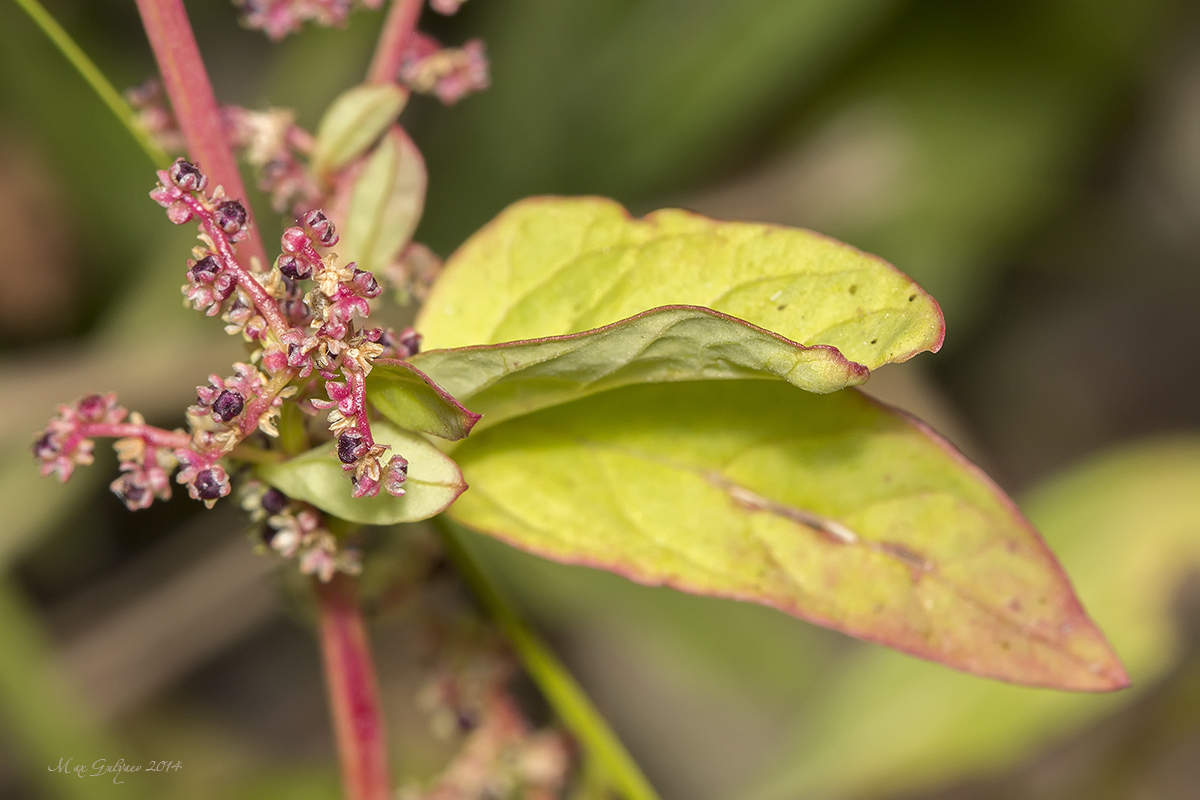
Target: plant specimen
[669, 398]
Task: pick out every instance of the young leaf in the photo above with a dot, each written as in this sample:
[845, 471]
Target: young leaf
[407, 397]
[549, 266]
[317, 477]
[386, 203]
[832, 508]
[676, 343]
[356, 118]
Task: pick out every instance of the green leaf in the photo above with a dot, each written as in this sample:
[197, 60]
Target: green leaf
[386, 203]
[550, 266]
[407, 397]
[353, 122]
[1127, 527]
[832, 508]
[672, 344]
[317, 477]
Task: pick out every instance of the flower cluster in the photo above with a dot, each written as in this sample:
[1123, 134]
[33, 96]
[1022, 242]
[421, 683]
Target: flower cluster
[272, 143]
[278, 18]
[300, 318]
[293, 529]
[449, 73]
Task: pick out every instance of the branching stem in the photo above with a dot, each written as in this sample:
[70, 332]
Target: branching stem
[186, 82]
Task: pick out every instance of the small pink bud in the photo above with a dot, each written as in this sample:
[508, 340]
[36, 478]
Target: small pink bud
[366, 284]
[408, 343]
[294, 240]
[178, 212]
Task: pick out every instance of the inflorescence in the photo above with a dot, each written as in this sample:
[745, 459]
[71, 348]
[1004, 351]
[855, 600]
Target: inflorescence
[299, 318]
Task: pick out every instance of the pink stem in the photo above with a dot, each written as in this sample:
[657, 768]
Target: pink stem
[358, 385]
[389, 52]
[193, 101]
[263, 302]
[353, 691]
[120, 430]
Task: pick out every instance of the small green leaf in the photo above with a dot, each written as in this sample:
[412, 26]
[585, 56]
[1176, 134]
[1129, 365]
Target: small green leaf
[386, 203]
[677, 343]
[316, 477]
[407, 397]
[355, 119]
[550, 266]
[832, 508]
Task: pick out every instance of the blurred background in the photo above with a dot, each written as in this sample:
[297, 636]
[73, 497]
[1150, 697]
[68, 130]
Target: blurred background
[1034, 163]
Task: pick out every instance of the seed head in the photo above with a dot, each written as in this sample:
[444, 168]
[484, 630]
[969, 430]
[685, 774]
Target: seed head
[349, 445]
[187, 176]
[230, 216]
[228, 405]
[322, 227]
[207, 485]
[274, 501]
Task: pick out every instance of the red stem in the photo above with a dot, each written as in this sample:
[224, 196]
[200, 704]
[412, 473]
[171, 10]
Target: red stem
[389, 52]
[353, 691]
[193, 101]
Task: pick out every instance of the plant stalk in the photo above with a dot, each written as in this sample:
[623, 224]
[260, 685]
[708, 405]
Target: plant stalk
[559, 687]
[95, 78]
[397, 28]
[193, 101]
[353, 691]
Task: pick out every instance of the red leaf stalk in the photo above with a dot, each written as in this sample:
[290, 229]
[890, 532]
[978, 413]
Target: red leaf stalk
[353, 691]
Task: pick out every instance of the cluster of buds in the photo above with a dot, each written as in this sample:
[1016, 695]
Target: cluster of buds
[295, 335]
[278, 18]
[154, 115]
[272, 143]
[148, 455]
[448, 73]
[292, 529]
[501, 756]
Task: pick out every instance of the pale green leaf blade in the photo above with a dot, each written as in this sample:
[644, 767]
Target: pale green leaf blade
[672, 344]
[832, 508]
[385, 204]
[1127, 527]
[355, 119]
[550, 266]
[316, 477]
[410, 399]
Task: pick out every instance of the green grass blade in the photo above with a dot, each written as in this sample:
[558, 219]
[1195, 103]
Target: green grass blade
[95, 78]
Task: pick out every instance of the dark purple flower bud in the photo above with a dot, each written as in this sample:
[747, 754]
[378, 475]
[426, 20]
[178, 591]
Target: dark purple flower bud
[293, 268]
[268, 534]
[187, 176]
[207, 485]
[92, 407]
[231, 216]
[274, 501]
[45, 448]
[366, 284]
[205, 269]
[228, 405]
[348, 446]
[408, 343]
[322, 228]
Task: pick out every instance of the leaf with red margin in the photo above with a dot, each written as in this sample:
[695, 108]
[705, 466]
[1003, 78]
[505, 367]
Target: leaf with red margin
[413, 401]
[833, 508]
[672, 344]
[549, 266]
